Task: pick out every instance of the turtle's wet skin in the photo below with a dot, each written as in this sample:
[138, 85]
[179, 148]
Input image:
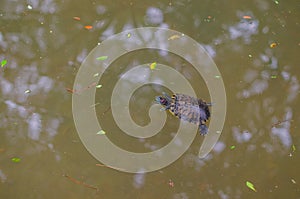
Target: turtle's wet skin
[187, 108]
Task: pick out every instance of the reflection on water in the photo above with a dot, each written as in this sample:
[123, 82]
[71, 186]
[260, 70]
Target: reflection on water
[44, 47]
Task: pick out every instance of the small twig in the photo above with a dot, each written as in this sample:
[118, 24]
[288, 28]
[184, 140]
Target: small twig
[106, 110]
[80, 183]
[93, 105]
[280, 122]
[78, 91]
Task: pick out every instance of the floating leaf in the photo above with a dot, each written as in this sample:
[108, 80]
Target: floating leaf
[76, 18]
[273, 76]
[153, 65]
[70, 90]
[247, 17]
[293, 148]
[15, 159]
[249, 55]
[99, 86]
[174, 37]
[171, 183]
[3, 62]
[102, 58]
[128, 35]
[101, 132]
[88, 27]
[232, 147]
[273, 45]
[293, 181]
[27, 91]
[250, 186]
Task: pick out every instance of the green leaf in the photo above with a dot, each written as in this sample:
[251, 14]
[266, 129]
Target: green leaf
[232, 147]
[15, 159]
[273, 76]
[3, 62]
[250, 186]
[102, 58]
[153, 65]
[101, 132]
[293, 148]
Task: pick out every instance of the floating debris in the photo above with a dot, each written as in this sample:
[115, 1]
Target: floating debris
[101, 132]
[102, 58]
[76, 18]
[3, 63]
[247, 17]
[153, 65]
[174, 37]
[88, 27]
[273, 45]
[273, 76]
[171, 183]
[250, 186]
[16, 160]
[27, 91]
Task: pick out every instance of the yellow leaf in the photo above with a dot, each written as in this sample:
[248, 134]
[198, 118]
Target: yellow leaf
[174, 37]
[101, 132]
[153, 65]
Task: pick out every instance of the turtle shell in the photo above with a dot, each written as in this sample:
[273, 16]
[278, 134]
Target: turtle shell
[189, 109]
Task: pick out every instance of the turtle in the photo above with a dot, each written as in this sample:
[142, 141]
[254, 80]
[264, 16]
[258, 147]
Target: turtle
[186, 108]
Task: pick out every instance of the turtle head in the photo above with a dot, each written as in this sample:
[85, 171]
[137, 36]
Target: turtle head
[162, 100]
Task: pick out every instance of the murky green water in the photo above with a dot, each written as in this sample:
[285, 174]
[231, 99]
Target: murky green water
[255, 45]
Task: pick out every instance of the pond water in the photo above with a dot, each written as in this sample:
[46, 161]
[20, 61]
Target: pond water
[43, 44]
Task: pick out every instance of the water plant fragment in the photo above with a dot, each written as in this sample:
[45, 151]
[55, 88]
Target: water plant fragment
[102, 58]
[3, 62]
[99, 86]
[153, 65]
[16, 160]
[174, 37]
[250, 186]
[101, 132]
